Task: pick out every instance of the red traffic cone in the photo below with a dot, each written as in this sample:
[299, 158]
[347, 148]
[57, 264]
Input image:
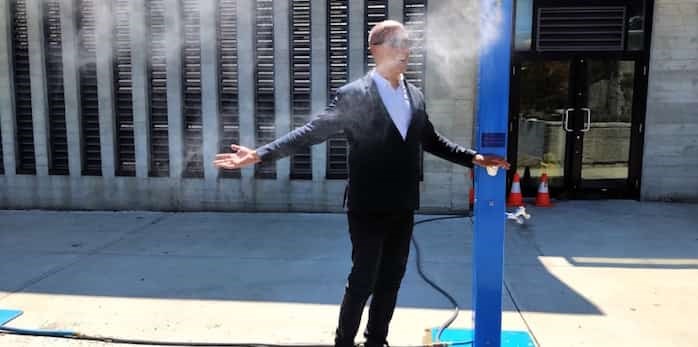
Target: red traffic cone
[471, 193]
[543, 196]
[515, 198]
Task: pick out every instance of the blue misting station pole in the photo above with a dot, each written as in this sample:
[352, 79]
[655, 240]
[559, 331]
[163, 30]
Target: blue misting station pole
[492, 120]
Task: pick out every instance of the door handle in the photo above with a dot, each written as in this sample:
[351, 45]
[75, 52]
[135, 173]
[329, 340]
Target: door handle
[565, 123]
[587, 124]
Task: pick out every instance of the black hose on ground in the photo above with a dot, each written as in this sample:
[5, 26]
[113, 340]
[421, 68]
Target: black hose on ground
[426, 279]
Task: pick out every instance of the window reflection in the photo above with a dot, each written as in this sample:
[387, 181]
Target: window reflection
[524, 25]
[544, 95]
[607, 143]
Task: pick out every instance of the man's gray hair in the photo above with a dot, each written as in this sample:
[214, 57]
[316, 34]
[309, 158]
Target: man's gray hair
[384, 30]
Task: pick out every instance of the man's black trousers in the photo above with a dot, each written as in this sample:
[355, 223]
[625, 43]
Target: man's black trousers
[380, 248]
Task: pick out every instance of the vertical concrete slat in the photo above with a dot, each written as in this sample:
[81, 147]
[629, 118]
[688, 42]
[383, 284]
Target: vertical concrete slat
[209, 88]
[6, 87]
[105, 87]
[246, 64]
[282, 79]
[396, 10]
[174, 87]
[71, 87]
[246, 99]
[319, 80]
[37, 72]
[139, 69]
[357, 36]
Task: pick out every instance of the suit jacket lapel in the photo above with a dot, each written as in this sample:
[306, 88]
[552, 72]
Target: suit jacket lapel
[414, 104]
[372, 90]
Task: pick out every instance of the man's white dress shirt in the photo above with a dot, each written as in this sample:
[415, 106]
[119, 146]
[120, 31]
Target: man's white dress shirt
[396, 101]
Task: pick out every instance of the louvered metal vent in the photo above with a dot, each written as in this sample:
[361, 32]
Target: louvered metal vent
[228, 79]
[264, 82]
[58, 142]
[191, 63]
[415, 12]
[376, 12]
[26, 163]
[580, 28]
[301, 162]
[126, 151]
[337, 76]
[159, 165]
[91, 156]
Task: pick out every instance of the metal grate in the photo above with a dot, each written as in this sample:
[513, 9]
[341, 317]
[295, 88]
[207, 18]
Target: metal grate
[228, 79]
[159, 165]
[58, 141]
[415, 13]
[92, 158]
[265, 128]
[191, 64]
[580, 28]
[301, 162]
[337, 76]
[123, 85]
[26, 163]
[337, 157]
[376, 12]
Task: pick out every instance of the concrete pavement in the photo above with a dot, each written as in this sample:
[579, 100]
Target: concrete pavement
[583, 273]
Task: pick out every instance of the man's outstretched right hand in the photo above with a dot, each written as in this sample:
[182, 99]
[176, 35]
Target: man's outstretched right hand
[241, 157]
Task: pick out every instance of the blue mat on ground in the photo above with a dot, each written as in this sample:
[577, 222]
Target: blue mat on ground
[8, 315]
[462, 336]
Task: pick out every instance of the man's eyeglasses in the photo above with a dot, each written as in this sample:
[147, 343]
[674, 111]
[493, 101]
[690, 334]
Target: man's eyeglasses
[396, 42]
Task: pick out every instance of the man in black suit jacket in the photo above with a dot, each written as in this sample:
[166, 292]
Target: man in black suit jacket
[385, 122]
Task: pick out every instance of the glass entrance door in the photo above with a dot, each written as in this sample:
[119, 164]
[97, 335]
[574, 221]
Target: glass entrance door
[543, 98]
[605, 106]
[573, 120]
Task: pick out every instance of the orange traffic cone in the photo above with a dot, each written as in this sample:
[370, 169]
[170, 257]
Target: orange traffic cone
[543, 197]
[515, 198]
[471, 193]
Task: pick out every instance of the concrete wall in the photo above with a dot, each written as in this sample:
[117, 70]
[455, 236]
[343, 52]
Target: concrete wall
[450, 90]
[670, 164]
[450, 99]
